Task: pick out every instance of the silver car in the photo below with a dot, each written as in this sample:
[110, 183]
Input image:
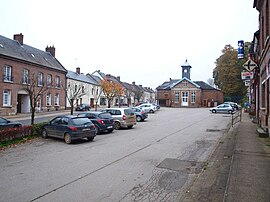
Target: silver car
[123, 117]
[223, 108]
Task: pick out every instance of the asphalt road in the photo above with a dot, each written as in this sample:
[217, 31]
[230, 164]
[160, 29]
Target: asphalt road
[154, 161]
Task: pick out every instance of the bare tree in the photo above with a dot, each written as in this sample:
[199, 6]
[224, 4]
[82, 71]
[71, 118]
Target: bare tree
[73, 92]
[35, 89]
[97, 93]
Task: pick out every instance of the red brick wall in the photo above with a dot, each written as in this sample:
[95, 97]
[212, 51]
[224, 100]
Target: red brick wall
[16, 85]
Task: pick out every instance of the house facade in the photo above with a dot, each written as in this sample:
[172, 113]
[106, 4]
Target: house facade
[22, 65]
[260, 85]
[187, 93]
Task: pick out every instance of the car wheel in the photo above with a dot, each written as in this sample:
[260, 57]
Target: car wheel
[151, 111]
[214, 111]
[138, 118]
[130, 127]
[117, 125]
[90, 138]
[98, 130]
[230, 111]
[67, 138]
[44, 133]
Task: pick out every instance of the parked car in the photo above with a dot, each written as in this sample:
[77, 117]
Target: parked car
[83, 107]
[103, 120]
[141, 115]
[69, 128]
[223, 108]
[148, 107]
[233, 104]
[5, 123]
[157, 106]
[123, 117]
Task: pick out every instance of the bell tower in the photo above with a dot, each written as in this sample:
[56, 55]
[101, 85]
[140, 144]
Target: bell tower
[186, 70]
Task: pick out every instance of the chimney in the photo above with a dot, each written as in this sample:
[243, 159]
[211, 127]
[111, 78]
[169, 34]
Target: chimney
[19, 38]
[51, 49]
[133, 83]
[78, 70]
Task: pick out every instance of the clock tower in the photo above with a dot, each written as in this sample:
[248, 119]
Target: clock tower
[186, 70]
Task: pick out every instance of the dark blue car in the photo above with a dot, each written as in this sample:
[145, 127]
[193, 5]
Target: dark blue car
[103, 120]
[69, 128]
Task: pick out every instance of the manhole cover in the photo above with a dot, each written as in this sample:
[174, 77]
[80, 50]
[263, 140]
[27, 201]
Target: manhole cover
[183, 166]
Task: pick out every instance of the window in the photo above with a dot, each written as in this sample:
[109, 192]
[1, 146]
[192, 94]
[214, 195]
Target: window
[176, 97]
[193, 96]
[97, 92]
[56, 99]
[6, 98]
[57, 81]
[40, 79]
[25, 76]
[93, 91]
[83, 89]
[7, 73]
[75, 89]
[48, 99]
[185, 83]
[49, 80]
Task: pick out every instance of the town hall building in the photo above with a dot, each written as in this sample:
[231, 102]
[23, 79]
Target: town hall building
[187, 93]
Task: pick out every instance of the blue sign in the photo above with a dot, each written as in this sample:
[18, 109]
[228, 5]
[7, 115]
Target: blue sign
[241, 49]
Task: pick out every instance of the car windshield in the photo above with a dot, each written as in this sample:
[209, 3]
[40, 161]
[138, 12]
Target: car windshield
[105, 116]
[80, 121]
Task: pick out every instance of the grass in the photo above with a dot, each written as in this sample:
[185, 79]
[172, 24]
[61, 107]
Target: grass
[15, 142]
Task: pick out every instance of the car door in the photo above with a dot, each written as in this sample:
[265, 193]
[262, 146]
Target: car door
[53, 126]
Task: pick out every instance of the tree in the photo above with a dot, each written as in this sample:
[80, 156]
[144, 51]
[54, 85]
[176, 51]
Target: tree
[210, 81]
[35, 89]
[97, 93]
[111, 90]
[227, 74]
[73, 92]
[138, 94]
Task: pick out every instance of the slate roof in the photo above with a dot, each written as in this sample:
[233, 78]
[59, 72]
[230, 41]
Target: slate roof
[12, 48]
[168, 85]
[80, 77]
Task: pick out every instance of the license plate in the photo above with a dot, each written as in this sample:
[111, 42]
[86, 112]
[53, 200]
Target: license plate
[85, 129]
[109, 127]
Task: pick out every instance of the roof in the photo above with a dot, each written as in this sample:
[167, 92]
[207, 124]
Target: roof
[186, 64]
[12, 48]
[80, 77]
[168, 85]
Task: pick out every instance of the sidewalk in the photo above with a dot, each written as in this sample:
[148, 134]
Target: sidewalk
[239, 169]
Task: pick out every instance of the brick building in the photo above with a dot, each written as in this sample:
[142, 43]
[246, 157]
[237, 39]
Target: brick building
[21, 65]
[260, 85]
[186, 93]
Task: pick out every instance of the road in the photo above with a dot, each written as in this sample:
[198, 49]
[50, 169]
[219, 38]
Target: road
[154, 161]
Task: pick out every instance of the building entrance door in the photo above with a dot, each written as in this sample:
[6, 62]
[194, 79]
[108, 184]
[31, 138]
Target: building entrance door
[184, 99]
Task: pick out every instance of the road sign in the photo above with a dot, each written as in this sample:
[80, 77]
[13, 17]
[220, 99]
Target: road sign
[246, 75]
[249, 65]
[247, 82]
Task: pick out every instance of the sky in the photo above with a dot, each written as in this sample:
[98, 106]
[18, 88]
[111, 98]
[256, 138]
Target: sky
[145, 41]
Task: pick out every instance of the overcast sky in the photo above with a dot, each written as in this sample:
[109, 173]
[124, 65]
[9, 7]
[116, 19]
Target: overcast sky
[145, 41]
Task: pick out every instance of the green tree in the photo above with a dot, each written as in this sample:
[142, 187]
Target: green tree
[227, 74]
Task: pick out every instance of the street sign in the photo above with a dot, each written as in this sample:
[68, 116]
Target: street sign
[249, 65]
[246, 75]
[247, 82]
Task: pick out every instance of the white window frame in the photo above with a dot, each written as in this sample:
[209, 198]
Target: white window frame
[40, 79]
[25, 76]
[193, 97]
[8, 73]
[6, 98]
[56, 99]
[48, 99]
[49, 80]
[177, 97]
[57, 82]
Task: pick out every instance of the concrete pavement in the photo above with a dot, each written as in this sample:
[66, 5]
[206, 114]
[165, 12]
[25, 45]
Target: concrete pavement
[238, 170]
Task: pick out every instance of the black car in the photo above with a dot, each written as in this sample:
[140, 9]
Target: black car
[141, 115]
[83, 107]
[69, 128]
[5, 123]
[103, 120]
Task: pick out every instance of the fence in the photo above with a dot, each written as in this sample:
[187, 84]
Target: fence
[236, 117]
